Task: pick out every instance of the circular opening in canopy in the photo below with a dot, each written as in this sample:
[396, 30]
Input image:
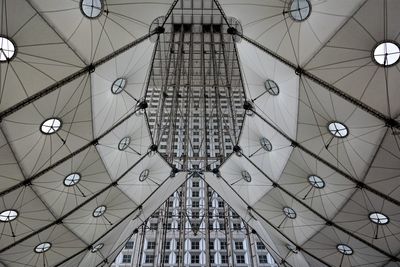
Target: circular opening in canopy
[316, 181]
[118, 86]
[144, 175]
[378, 218]
[8, 215]
[72, 179]
[290, 213]
[344, 249]
[300, 10]
[50, 126]
[97, 247]
[265, 144]
[92, 8]
[42, 247]
[99, 211]
[124, 143]
[7, 49]
[338, 129]
[271, 87]
[387, 54]
[246, 176]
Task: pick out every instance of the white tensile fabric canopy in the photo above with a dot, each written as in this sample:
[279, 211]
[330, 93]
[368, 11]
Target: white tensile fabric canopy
[78, 172]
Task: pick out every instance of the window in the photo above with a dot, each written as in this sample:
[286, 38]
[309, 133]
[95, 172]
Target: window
[289, 212]
[378, 218]
[151, 245]
[195, 245]
[316, 181]
[385, 54]
[92, 8]
[265, 144]
[300, 10]
[167, 245]
[211, 245]
[263, 258]
[344, 249]
[220, 204]
[223, 244]
[166, 259]
[126, 258]
[7, 48]
[238, 245]
[224, 258]
[118, 86]
[42, 247]
[50, 126]
[144, 175]
[240, 259]
[124, 143]
[195, 214]
[149, 259]
[195, 184]
[260, 246]
[237, 227]
[153, 226]
[99, 211]
[195, 204]
[8, 215]
[195, 258]
[195, 194]
[338, 129]
[72, 179]
[129, 245]
[271, 87]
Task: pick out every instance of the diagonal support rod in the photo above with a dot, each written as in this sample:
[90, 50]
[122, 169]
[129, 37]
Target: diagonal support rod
[295, 144]
[28, 181]
[60, 220]
[390, 122]
[271, 224]
[88, 69]
[327, 222]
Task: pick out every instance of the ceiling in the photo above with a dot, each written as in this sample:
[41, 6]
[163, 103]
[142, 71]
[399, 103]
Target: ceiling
[319, 52]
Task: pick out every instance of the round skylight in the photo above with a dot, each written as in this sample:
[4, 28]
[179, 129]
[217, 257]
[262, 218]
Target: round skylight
[72, 179]
[144, 175]
[265, 144]
[7, 49]
[290, 213]
[97, 247]
[300, 10]
[99, 211]
[8, 215]
[42, 247]
[50, 126]
[246, 176]
[118, 86]
[378, 218]
[316, 181]
[387, 53]
[344, 249]
[338, 129]
[92, 8]
[271, 87]
[124, 143]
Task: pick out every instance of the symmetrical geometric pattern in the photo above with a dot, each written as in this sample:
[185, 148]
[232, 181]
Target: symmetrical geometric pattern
[315, 171]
